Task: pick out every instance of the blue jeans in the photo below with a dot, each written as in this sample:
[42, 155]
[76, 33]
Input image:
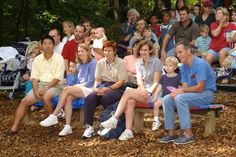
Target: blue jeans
[182, 103]
[171, 52]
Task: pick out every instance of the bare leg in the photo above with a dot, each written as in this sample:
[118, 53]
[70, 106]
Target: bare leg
[129, 114]
[72, 90]
[135, 94]
[156, 109]
[222, 55]
[47, 99]
[68, 109]
[21, 110]
[209, 58]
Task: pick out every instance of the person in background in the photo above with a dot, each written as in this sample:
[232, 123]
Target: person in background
[137, 37]
[68, 29]
[207, 16]
[130, 63]
[147, 34]
[99, 39]
[196, 10]
[56, 35]
[203, 41]
[183, 30]
[88, 25]
[89, 40]
[165, 26]
[178, 5]
[173, 17]
[154, 25]
[233, 16]
[71, 47]
[219, 47]
[149, 71]
[129, 26]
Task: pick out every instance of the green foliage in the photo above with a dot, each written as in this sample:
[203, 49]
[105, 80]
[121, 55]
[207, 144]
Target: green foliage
[34, 18]
[144, 7]
[189, 2]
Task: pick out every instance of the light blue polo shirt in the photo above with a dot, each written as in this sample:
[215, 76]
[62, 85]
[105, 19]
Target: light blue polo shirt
[200, 70]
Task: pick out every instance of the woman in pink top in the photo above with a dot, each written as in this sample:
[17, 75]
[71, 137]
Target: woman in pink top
[130, 62]
[219, 46]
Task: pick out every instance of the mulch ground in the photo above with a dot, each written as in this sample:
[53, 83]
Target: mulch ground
[33, 140]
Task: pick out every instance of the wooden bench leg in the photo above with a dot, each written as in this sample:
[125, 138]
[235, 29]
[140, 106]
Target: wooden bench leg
[81, 115]
[210, 123]
[27, 117]
[138, 121]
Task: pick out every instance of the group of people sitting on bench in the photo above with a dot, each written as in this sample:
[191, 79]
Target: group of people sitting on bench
[102, 80]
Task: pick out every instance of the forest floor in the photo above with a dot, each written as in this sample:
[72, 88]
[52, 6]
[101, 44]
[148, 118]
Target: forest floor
[33, 140]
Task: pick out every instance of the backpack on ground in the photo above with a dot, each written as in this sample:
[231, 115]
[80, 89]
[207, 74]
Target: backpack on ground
[105, 115]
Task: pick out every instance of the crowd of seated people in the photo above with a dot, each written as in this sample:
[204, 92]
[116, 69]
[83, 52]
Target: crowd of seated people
[102, 75]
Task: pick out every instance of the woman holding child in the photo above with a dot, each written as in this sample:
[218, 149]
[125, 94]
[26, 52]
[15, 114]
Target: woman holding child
[86, 69]
[149, 71]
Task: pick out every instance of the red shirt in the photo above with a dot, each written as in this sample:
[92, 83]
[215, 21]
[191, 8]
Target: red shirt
[220, 42]
[156, 28]
[69, 50]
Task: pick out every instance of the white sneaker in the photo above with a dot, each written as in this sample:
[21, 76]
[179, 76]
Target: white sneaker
[89, 132]
[66, 130]
[51, 120]
[104, 131]
[156, 125]
[110, 123]
[127, 134]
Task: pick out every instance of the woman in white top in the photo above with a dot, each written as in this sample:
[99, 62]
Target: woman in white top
[68, 29]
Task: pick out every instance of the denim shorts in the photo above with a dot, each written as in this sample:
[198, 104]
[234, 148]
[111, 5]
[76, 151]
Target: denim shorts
[216, 53]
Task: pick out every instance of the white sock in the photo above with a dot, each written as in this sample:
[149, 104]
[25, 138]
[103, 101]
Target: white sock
[89, 126]
[129, 131]
[114, 119]
[156, 118]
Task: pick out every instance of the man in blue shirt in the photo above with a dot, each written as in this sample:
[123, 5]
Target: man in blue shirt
[198, 86]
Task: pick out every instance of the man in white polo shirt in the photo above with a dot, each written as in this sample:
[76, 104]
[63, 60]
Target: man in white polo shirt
[47, 71]
[56, 35]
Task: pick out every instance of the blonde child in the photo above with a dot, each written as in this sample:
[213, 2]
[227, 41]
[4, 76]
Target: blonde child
[98, 41]
[32, 51]
[168, 82]
[203, 41]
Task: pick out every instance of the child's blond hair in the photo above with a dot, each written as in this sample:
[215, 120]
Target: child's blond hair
[172, 60]
[204, 28]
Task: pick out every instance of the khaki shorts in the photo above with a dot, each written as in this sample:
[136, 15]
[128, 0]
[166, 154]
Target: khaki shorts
[56, 90]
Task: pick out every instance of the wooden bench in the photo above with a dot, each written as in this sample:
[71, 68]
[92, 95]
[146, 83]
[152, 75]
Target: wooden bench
[210, 116]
